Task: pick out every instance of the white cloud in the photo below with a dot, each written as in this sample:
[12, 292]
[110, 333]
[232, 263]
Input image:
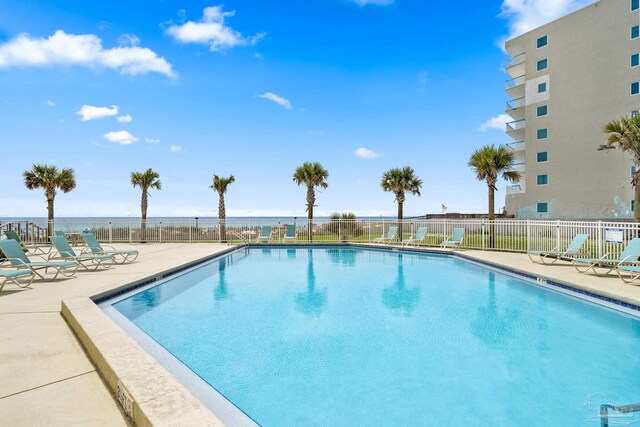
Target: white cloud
[125, 119]
[83, 49]
[151, 140]
[49, 103]
[89, 112]
[211, 30]
[277, 99]
[498, 123]
[366, 153]
[525, 15]
[374, 2]
[175, 148]
[128, 40]
[121, 137]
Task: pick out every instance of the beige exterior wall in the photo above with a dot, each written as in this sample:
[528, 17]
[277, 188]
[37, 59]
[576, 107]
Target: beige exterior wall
[588, 79]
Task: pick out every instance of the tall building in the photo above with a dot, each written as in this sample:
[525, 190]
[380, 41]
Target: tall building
[567, 80]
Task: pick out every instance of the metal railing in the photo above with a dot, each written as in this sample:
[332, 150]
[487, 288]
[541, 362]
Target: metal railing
[514, 82]
[512, 61]
[516, 125]
[509, 234]
[622, 409]
[513, 104]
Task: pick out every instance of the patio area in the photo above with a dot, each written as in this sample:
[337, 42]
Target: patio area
[46, 378]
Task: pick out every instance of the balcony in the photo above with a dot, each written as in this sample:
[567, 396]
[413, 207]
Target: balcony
[515, 108]
[516, 145]
[515, 129]
[515, 86]
[515, 189]
[515, 65]
[519, 167]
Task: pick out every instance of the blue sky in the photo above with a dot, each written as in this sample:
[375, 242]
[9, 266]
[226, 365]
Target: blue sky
[254, 89]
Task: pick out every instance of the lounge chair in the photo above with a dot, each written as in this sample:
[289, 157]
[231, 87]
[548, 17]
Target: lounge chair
[65, 252]
[629, 256]
[13, 276]
[456, 239]
[556, 254]
[18, 259]
[421, 234]
[632, 270]
[28, 246]
[265, 234]
[391, 235]
[94, 247]
[291, 233]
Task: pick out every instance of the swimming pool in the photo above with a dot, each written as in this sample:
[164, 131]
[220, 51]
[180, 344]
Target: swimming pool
[351, 336]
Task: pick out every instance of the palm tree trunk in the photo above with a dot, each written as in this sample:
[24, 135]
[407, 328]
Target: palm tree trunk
[636, 208]
[492, 217]
[311, 200]
[50, 200]
[400, 215]
[143, 207]
[222, 215]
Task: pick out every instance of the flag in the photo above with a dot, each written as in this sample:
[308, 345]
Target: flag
[444, 209]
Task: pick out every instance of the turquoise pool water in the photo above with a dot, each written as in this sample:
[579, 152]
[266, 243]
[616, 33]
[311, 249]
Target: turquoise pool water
[344, 336]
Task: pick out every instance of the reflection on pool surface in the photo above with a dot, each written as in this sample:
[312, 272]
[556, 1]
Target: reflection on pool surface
[349, 336]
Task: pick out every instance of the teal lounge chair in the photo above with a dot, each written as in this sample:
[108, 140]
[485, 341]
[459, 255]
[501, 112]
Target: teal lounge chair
[291, 233]
[265, 234]
[391, 235]
[421, 234]
[556, 254]
[629, 256]
[94, 247]
[65, 252]
[456, 239]
[45, 248]
[14, 276]
[18, 259]
[632, 270]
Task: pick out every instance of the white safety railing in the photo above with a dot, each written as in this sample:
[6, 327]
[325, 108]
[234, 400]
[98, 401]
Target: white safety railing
[509, 235]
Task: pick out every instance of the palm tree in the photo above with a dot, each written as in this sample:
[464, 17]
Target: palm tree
[220, 185]
[312, 175]
[145, 180]
[490, 162]
[49, 178]
[624, 134]
[400, 181]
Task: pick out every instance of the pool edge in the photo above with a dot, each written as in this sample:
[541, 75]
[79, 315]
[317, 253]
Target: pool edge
[125, 367]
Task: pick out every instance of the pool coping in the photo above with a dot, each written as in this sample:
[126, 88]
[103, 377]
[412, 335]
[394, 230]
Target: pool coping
[125, 366]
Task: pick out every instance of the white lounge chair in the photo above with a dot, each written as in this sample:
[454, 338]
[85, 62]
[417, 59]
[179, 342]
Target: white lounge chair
[18, 259]
[421, 234]
[557, 254]
[456, 239]
[64, 251]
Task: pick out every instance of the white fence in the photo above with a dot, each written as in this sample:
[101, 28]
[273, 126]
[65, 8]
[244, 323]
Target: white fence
[509, 235]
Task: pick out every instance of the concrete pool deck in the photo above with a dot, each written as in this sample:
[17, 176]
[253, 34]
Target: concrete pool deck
[46, 378]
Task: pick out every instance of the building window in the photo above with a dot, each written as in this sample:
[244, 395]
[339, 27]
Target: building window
[633, 205]
[542, 87]
[542, 41]
[635, 88]
[635, 60]
[542, 111]
[543, 64]
[635, 32]
[634, 113]
[635, 5]
[543, 179]
[543, 208]
[543, 156]
[543, 133]
[633, 171]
